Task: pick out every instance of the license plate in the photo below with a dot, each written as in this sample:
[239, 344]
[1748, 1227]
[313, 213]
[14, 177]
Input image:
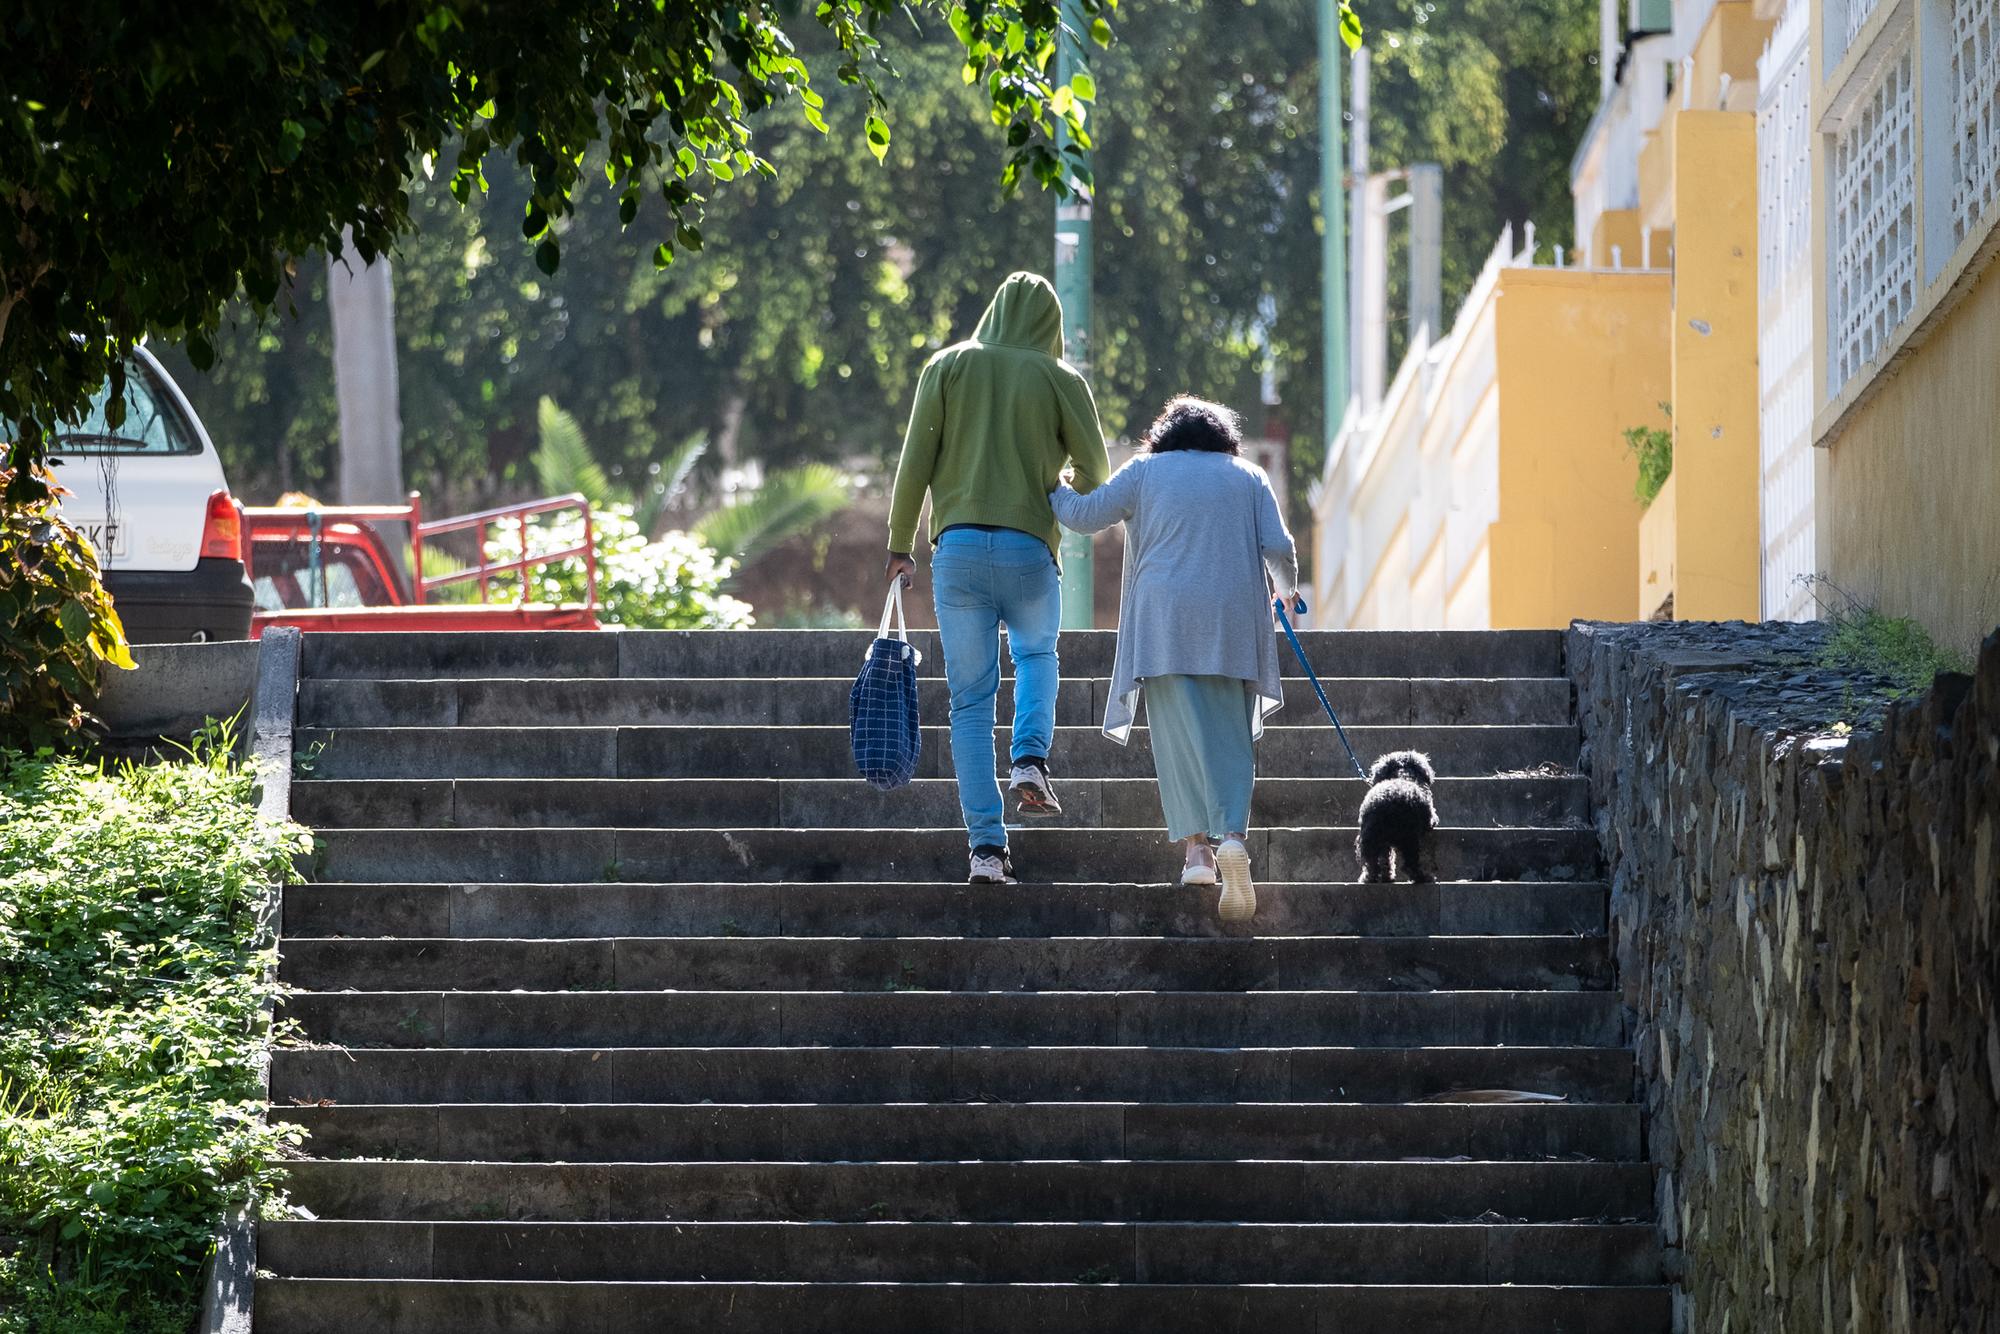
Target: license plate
[110, 537]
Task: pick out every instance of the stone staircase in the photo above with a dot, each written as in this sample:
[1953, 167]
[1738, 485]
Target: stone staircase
[624, 1008]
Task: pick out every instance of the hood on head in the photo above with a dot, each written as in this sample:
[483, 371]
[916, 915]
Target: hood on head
[1024, 313]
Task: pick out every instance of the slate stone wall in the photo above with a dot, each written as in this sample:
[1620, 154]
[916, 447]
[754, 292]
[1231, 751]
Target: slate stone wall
[1805, 924]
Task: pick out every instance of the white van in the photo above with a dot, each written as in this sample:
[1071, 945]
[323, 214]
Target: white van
[151, 498]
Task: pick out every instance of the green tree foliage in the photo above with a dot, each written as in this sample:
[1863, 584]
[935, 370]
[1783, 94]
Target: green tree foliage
[132, 1028]
[57, 627]
[155, 160]
[798, 332]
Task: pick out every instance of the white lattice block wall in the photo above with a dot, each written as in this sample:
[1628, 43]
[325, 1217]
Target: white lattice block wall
[1853, 21]
[1872, 229]
[1975, 104]
[1784, 311]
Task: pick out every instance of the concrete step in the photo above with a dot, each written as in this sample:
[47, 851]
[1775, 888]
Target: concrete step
[1042, 855]
[887, 910]
[902, 1252]
[1267, 1192]
[1373, 1019]
[806, 700]
[1301, 749]
[837, 803]
[943, 1074]
[681, 653]
[952, 1132]
[938, 964]
[413, 1306]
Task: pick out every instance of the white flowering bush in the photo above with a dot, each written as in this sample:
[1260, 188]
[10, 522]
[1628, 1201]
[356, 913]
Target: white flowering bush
[670, 582]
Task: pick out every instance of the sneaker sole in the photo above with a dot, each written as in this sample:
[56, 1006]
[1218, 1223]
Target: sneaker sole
[1238, 902]
[1036, 803]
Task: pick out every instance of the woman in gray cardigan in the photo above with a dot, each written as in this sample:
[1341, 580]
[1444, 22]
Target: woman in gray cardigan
[1202, 530]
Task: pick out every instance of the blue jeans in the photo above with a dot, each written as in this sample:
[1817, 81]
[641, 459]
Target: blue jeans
[981, 580]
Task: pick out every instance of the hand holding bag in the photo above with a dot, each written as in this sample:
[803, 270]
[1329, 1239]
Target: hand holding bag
[883, 728]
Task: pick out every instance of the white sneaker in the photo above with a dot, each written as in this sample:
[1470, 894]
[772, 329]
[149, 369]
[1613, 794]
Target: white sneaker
[1030, 782]
[1199, 874]
[1239, 896]
[988, 869]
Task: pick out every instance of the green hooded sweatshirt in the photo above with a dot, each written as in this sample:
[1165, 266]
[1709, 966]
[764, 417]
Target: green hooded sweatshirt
[996, 418]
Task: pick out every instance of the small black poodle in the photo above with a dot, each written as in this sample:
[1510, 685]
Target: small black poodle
[1397, 816]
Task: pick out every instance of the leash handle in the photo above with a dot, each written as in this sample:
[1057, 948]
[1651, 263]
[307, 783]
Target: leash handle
[1299, 606]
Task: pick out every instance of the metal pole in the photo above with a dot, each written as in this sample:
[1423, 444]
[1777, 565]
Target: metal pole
[1426, 250]
[1333, 230]
[1357, 216]
[1073, 284]
[1371, 294]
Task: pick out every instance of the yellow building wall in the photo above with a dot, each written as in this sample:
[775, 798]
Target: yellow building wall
[1580, 357]
[1656, 551]
[1715, 367]
[1656, 176]
[1910, 505]
[1730, 43]
[1620, 228]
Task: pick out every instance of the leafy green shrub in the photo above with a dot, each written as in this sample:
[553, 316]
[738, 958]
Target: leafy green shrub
[1653, 448]
[57, 626]
[671, 582]
[132, 984]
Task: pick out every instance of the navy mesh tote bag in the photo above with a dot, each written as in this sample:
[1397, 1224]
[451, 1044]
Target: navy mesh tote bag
[883, 729]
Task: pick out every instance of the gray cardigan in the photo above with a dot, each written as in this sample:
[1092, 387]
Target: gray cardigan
[1201, 529]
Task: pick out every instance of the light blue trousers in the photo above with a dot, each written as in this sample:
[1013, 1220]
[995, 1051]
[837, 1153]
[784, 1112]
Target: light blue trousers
[1202, 753]
[981, 580]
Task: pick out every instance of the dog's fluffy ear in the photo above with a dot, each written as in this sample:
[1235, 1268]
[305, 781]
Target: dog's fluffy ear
[1385, 767]
[1422, 764]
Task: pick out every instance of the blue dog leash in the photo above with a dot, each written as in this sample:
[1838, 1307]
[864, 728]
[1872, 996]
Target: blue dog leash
[1299, 606]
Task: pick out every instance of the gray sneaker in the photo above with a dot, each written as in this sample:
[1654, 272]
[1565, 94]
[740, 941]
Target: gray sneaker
[991, 867]
[1238, 902]
[1030, 782]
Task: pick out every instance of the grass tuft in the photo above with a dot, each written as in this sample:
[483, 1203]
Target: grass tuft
[1865, 640]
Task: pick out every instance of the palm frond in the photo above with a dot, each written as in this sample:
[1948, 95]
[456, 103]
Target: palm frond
[664, 486]
[787, 504]
[563, 461]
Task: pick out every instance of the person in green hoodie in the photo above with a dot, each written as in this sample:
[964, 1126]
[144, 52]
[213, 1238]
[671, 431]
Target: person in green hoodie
[997, 419]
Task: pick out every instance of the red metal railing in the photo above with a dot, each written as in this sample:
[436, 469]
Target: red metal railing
[485, 570]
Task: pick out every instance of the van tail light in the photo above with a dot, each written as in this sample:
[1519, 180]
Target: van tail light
[222, 532]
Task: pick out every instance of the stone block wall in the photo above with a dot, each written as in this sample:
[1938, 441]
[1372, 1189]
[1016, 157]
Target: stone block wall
[1805, 924]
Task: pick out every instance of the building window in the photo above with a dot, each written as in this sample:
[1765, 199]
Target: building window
[1872, 231]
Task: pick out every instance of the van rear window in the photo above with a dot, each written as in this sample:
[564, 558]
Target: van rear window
[152, 424]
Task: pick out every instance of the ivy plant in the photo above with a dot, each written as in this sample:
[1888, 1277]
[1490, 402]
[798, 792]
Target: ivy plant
[1652, 448]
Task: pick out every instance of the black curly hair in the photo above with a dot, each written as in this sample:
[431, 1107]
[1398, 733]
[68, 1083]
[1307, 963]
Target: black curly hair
[1194, 423]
